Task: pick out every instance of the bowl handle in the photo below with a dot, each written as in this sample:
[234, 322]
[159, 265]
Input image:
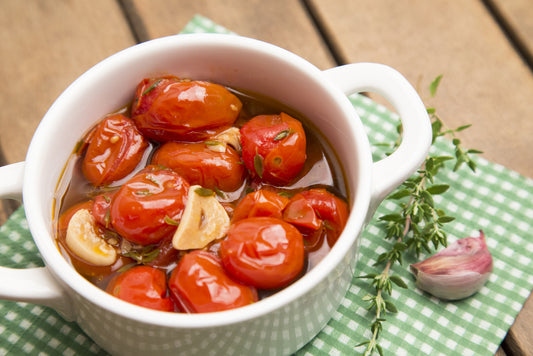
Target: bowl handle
[31, 285]
[390, 172]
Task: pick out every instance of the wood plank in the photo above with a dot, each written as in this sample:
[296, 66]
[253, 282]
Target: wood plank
[519, 340]
[500, 352]
[45, 45]
[283, 23]
[485, 82]
[517, 16]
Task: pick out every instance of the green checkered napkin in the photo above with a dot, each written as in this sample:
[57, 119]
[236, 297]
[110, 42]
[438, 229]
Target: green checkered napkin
[495, 199]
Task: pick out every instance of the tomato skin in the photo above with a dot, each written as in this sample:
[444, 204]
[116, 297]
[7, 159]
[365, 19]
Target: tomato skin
[114, 150]
[264, 252]
[144, 286]
[301, 213]
[279, 143]
[199, 284]
[167, 108]
[141, 205]
[260, 203]
[102, 209]
[200, 165]
[328, 211]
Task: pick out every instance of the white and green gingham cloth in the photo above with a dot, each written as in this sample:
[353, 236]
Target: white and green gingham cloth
[495, 199]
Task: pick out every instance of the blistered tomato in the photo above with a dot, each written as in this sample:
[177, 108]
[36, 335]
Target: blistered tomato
[115, 149]
[264, 252]
[274, 147]
[147, 206]
[260, 203]
[200, 164]
[168, 108]
[144, 286]
[316, 208]
[102, 209]
[199, 284]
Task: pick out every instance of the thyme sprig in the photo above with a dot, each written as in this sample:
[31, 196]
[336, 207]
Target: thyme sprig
[418, 226]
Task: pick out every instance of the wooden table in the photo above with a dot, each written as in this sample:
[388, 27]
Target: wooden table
[484, 49]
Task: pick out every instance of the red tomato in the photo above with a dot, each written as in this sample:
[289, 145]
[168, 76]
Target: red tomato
[115, 149]
[300, 212]
[141, 209]
[102, 209]
[144, 286]
[260, 203]
[264, 252]
[327, 211]
[199, 284]
[167, 108]
[167, 256]
[273, 147]
[198, 164]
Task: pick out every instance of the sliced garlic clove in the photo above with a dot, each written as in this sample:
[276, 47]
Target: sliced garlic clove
[232, 137]
[204, 220]
[84, 241]
[216, 146]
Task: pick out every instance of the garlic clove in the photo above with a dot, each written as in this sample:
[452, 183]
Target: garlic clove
[204, 220]
[85, 242]
[458, 271]
[232, 137]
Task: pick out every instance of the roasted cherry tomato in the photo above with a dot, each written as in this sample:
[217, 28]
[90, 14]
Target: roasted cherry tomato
[144, 286]
[102, 209]
[274, 148]
[260, 203]
[264, 252]
[168, 108]
[115, 149]
[199, 164]
[199, 284]
[147, 206]
[316, 208]
[167, 256]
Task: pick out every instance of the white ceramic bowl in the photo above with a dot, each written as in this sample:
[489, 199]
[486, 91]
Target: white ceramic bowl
[280, 324]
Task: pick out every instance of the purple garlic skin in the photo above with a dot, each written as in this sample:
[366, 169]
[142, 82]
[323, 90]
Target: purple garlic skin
[458, 271]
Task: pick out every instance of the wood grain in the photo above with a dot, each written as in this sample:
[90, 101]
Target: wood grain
[517, 16]
[519, 340]
[485, 82]
[283, 23]
[45, 45]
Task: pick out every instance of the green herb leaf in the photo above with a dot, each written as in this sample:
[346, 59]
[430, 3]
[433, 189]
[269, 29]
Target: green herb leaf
[286, 194]
[438, 189]
[282, 134]
[151, 87]
[213, 143]
[170, 221]
[258, 165]
[390, 307]
[144, 192]
[220, 193]
[398, 281]
[445, 219]
[434, 85]
[204, 192]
